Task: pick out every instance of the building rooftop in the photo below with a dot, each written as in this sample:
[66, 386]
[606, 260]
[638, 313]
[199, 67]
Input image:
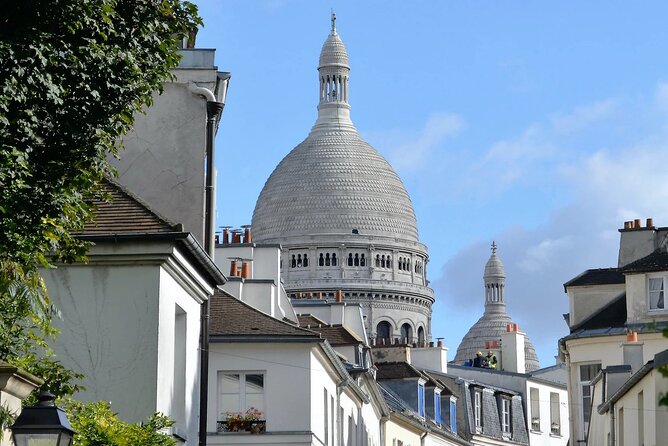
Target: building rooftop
[230, 317]
[599, 276]
[656, 261]
[125, 213]
[397, 370]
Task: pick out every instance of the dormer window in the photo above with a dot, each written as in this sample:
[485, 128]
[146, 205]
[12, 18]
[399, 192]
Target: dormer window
[477, 410]
[657, 293]
[421, 400]
[505, 417]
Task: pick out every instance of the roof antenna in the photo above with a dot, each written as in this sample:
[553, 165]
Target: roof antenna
[333, 22]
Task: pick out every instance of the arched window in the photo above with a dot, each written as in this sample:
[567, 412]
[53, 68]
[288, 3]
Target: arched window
[321, 260]
[378, 260]
[327, 261]
[299, 260]
[406, 333]
[293, 264]
[350, 260]
[389, 262]
[382, 262]
[362, 260]
[305, 260]
[357, 260]
[333, 259]
[420, 336]
[383, 331]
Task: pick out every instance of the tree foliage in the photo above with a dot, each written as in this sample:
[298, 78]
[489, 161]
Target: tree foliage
[72, 75]
[97, 425]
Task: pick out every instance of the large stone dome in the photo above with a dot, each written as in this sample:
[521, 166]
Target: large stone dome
[344, 220]
[333, 183]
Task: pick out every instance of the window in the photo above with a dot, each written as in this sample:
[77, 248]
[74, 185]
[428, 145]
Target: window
[620, 427]
[453, 416]
[326, 415]
[333, 259]
[321, 260]
[437, 408]
[505, 416]
[406, 334]
[534, 396]
[383, 330]
[421, 400]
[350, 260]
[477, 410]
[239, 391]
[420, 336]
[587, 373]
[656, 294]
[555, 414]
[641, 419]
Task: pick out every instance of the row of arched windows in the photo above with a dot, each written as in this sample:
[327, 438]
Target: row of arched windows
[327, 259]
[384, 332]
[404, 264]
[419, 268]
[299, 261]
[383, 261]
[356, 260]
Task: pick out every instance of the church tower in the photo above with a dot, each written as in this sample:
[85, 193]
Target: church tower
[491, 326]
[344, 219]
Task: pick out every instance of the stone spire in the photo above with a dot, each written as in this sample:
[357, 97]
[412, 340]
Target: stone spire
[495, 283]
[333, 72]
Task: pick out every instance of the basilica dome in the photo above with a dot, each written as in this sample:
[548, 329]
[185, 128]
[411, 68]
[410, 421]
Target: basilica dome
[344, 220]
[491, 326]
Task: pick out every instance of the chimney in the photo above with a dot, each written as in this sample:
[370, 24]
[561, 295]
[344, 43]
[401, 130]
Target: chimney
[233, 268]
[226, 236]
[512, 349]
[637, 241]
[247, 234]
[632, 351]
[245, 269]
[339, 296]
[236, 236]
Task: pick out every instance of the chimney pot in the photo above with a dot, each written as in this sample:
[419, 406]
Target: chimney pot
[247, 234]
[440, 344]
[486, 345]
[636, 223]
[339, 296]
[236, 237]
[233, 268]
[226, 236]
[632, 336]
[516, 327]
[431, 344]
[650, 223]
[627, 225]
[245, 270]
[319, 294]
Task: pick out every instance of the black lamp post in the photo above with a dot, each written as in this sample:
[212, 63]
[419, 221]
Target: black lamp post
[43, 424]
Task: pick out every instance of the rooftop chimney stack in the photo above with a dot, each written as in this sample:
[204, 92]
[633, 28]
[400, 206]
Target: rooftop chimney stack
[637, 241]
[632, 351]
[512, 350]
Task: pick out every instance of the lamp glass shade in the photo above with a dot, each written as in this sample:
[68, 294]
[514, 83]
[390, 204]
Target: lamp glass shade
[44, 438]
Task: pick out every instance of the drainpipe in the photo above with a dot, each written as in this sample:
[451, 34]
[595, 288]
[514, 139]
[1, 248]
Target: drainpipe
[213, 111]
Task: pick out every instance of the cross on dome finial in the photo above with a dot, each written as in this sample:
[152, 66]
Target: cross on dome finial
[333, 22]
[493, 247]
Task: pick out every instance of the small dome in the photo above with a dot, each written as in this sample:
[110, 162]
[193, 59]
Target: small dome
[494, 268]
[333, 52]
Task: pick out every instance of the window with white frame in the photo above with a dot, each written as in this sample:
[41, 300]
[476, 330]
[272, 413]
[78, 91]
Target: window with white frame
[555, 414]
[241, 391]
[656, 293]
[477, 410]
[505, 416]
[453, 415]
[587, 373]
[421, 400]
[534, 396]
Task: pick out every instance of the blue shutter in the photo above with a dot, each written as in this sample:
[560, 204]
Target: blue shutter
[453, 416]
[421, 400]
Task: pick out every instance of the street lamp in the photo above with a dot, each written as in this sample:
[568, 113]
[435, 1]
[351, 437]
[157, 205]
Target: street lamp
[43, 424]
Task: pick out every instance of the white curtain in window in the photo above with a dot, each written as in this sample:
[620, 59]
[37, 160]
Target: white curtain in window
[656, 294]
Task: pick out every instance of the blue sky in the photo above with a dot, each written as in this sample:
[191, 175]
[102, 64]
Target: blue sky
[541, 125]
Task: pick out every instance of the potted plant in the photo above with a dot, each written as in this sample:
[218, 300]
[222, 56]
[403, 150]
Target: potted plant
[250, 421]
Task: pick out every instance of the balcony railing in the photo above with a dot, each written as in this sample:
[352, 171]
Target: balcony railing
[252, 426]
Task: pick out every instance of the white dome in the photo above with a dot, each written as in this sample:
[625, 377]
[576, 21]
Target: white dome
[333, 52]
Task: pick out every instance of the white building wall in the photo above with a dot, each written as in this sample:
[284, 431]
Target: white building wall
[322, 379]
[109, 332]
[178, 359]
[287, 377]
[586, 300]
[398, 431]
[543, 436]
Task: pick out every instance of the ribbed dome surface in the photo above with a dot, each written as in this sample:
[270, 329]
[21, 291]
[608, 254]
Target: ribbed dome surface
[494, 268]
[490, 327]
[331, 183]
[333, 52]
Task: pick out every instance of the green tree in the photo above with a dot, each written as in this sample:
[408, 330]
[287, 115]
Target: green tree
[72, 75]
[97, 425]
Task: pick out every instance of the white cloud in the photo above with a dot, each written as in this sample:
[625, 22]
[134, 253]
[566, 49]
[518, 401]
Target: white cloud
[582, 117]
[413, 154]
[544, 254]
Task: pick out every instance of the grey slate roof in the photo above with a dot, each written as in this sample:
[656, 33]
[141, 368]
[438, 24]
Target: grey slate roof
[598, 276]
[656, 261]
